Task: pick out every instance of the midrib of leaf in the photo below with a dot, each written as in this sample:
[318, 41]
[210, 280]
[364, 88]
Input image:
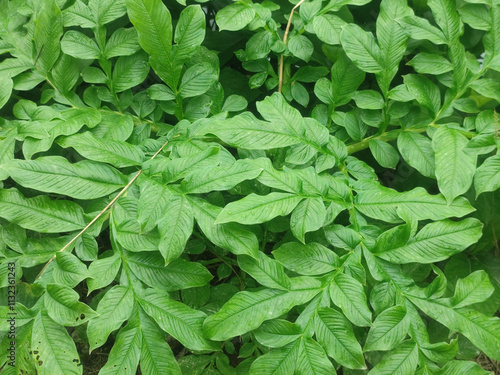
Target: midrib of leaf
[126, 354]
[401, 363]
[49, 344]
[422, 154]
[349, 300]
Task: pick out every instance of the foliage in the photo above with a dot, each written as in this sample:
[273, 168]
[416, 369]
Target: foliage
[305, 201]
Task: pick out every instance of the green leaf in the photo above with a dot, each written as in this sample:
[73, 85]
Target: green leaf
[113, 309]
[123, 42]
[197, 80]
[246, 131]
[334, 332]
[177, 319]
[454, 167]
[424, 91]
[312, 360]
[308, 216]
[189, 32]
[179, 274]
[428, 63]
[388, 330]
[55, 350]
[402, 360]
[382, 203]
[435, 242]
[234, 103]
[181, 167]
[280, 361]
[463, 367]
[420, 28]
[347, 293]
[156, 356]
[118, 153]
[64, 308]
[78, 45]
[255, 209]
[266, 271]
[343, 237]
[130, 71]
[474, 288]
[311, 259]
[103, 271]
[220, 178]
[47, 34]
[40, 213]
[384, 153]
[301, 47]
[234, 17]
[328, 27]
[487, 176]
[128, 342]
[362, 48]
[160, 92]
[65, 73]
[175, 228]
[105, 11]
[277, 333]
[246, 311]
[231, 236]
[6, 85]
[417, 151]
[368, 99]
[54, 174]
[483, 331]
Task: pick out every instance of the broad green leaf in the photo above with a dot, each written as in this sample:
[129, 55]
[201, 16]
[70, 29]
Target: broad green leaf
[114, 126]
[328, 27]
[234, 103]
[312, 360]
[231, 236]
[130, 71]
[361, 47]
[388, 330]
[64, 308]
[463, 367]
[435, 242]
[472, 289]
[6, 85]
[123, 42]
[368, 99]
[189, 32]
[382, 203]
[79, 14]
[220, 178]
[68, 269]
[156, 356]
[54, 174]
[311, 259]
[429, 63]
[384, 153]
[179, 274]
[128, 234]
[347, 293]
[417, 151]
[65, 73]
[255, 209]
[78, 45]
[181, 167]
[246, 131]
[40, 213]
[128, 342]
[487, 176]
[334, 332]
[346, 78]
[160, 92]
[175, 227]
[454, 167]
[103, 271]
[105, 11]
[483, 331]
[197, 80]
[266, 271]
[246, 311]
[234, 17]
[392, 40]
[343, 237]
[280, 361]
[177, 319]
[420, 28]
[277, 333]
[308, 216]
[402, 360]
[301, 47]
[152, 202]
[47, 34]
[424, 91]
[53, 349]
[113, 309]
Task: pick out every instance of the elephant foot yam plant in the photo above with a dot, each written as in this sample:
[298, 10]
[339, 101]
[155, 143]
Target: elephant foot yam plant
[249, 187]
